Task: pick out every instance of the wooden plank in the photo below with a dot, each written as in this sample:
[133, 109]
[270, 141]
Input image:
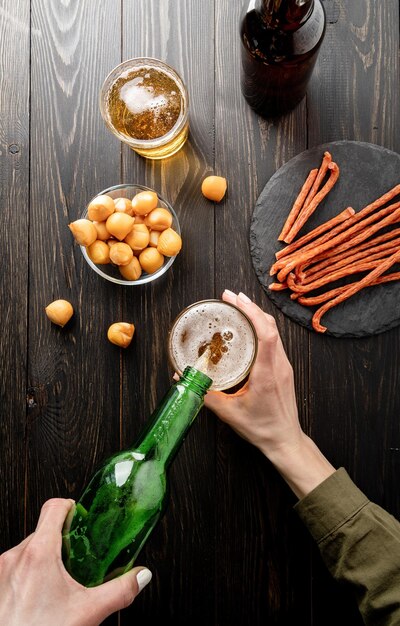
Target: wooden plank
[263, 553]
[354, 403]
[14, 221]
[354, 89]
[181, 551]
[73, 372]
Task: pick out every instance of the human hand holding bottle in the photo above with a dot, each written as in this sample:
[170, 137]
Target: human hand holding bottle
[36, 589]
[264, 410]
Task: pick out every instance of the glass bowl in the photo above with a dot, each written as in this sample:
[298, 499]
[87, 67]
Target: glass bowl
[111, 272]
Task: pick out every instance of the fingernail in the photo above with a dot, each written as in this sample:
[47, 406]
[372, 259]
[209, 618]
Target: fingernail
[244, 298]
[143, 578]
[229, 293]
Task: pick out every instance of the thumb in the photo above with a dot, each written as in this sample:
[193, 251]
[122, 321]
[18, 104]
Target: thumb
[120, 592]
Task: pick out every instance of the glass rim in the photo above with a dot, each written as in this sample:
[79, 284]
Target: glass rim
[179, 124]
[148, 277]
[242, 376]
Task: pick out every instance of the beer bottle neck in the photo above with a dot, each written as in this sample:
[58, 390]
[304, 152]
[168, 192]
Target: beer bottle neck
[173, 417]
[285, 14]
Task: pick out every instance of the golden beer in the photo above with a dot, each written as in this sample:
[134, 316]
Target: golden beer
[145, 104]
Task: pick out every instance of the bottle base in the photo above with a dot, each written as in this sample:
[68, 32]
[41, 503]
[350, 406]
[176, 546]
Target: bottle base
[273, 110]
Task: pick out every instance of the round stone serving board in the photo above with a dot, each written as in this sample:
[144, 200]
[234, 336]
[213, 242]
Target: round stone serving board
[367, 171]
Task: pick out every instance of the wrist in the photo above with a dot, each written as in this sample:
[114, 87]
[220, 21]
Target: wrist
[302, 465]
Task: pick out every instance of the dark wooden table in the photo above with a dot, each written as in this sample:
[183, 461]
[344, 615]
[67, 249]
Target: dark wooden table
[230, 550]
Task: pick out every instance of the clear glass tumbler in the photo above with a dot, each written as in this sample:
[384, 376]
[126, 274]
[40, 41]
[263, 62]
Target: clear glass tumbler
[216, 338]
[144, 103]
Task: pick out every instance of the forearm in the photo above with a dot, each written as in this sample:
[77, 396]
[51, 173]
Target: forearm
[303, 466]
[360, 544]
[359, 541]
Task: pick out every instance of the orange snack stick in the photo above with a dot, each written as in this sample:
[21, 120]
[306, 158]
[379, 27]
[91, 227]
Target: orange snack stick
[375, 252]
[298, 203]
[376, 204]
[352, 290]
[389, 214]
[278, 286]
[328, 295]
[299, 247]
[309, 209]
[341, 217]
[332, 254]
[323, 168]
[356, 268]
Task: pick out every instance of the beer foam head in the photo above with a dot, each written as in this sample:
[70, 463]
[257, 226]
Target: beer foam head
[196, 327]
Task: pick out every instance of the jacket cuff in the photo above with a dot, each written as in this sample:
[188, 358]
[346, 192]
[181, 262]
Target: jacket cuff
[330, 505]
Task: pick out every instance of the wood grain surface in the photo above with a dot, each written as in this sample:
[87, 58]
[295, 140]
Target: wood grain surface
[14, 236]
[229, 551]
[73, 372]
[353, 383]
[181, 550]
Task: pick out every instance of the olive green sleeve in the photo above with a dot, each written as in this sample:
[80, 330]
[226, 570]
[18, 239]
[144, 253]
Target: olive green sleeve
[360, 544]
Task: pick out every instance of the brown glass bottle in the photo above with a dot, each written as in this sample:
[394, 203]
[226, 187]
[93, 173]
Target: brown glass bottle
[280, 44]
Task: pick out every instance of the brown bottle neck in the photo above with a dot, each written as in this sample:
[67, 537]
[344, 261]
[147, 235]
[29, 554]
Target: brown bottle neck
[285, 14]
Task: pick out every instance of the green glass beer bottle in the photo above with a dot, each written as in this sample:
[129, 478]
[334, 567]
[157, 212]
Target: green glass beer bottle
[125, 498]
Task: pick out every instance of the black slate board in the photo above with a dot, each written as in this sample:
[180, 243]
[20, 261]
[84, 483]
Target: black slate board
[367, 171]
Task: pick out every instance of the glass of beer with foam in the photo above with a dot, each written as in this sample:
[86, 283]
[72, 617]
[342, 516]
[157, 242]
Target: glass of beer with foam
[216, 338]
[144, 102]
